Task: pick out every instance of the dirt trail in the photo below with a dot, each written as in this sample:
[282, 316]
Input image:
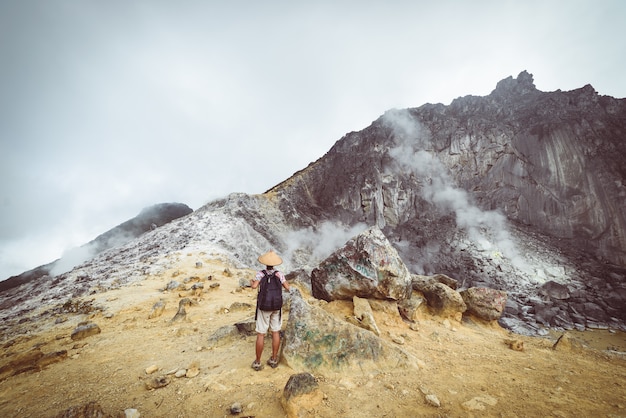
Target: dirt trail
[468, 366]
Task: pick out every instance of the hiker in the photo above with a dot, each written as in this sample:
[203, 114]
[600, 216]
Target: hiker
[269, 306]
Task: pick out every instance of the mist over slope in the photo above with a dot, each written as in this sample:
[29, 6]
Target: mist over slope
[521, 190]
[149, 218]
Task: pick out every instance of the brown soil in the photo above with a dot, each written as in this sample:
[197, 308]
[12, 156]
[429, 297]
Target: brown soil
[470, 367]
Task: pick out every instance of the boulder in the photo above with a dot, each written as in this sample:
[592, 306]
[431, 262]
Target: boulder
[315, 341]
[409, 308]
[484, 302]
[367, 266]
[440, 298]
[301, 395]
[419, 282]
[554, 290]
[223, 335]
[181, 314]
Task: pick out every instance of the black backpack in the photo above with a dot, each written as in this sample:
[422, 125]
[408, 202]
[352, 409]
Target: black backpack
[270, 292]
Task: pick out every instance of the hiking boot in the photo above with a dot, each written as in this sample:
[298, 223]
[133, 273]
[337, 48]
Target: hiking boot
[256, 365]
[272, 362]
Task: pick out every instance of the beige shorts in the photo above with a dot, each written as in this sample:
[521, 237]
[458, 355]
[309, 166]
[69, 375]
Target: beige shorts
[271, 320]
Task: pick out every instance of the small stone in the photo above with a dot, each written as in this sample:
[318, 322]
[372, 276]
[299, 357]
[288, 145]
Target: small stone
[236, 408]
[131, 413]
[157, 382]
[181, 373]
[432, 400]
[157, 310]
[152, 369]
[517, 345]
[397, 339]
[192, 372]
[85, 330]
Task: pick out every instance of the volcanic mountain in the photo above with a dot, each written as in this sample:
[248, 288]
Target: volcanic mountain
[520, 190]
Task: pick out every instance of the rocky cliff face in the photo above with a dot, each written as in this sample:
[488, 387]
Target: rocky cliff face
[504, 176]
[551, 161]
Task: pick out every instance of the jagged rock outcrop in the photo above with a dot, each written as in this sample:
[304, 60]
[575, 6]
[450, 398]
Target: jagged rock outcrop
[366, 266]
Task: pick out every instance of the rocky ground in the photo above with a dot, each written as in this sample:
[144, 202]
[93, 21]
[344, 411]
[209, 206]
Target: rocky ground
[467, 368]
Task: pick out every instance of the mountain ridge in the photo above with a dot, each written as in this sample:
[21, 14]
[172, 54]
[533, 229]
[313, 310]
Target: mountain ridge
[149, 218]
[457, 191]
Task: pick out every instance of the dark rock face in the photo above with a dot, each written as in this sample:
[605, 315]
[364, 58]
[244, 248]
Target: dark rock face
[552, 161]
[471, 189]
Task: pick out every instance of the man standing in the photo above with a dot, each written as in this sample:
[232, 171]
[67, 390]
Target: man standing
[269, 306]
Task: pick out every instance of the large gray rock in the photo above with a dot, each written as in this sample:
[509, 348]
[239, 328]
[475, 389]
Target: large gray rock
[316, 341]
[367, 267]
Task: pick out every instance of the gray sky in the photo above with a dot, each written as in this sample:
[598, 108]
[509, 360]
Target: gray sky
[107, 107]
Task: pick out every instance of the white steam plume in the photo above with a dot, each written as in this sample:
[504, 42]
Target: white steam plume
[76, 256]
[414, 152]
[72, 258]
[316, 245]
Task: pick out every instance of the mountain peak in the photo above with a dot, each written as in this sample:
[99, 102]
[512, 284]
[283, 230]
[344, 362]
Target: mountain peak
[521, 85]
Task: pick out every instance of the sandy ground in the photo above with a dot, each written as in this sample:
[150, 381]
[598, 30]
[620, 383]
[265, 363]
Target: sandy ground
[468, 366]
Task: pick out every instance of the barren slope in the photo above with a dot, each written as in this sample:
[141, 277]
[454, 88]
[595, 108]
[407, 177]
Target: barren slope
[468, 366]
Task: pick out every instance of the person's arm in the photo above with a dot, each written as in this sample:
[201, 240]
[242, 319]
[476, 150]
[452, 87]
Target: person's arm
[256, 280]
[284, 282]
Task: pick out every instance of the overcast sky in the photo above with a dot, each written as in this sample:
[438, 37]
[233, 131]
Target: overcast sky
[107, 107]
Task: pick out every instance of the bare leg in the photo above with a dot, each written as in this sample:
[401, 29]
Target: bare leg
[275, 344]
[260, 339]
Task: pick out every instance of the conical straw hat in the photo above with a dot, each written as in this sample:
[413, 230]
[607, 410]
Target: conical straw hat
[270, 258]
